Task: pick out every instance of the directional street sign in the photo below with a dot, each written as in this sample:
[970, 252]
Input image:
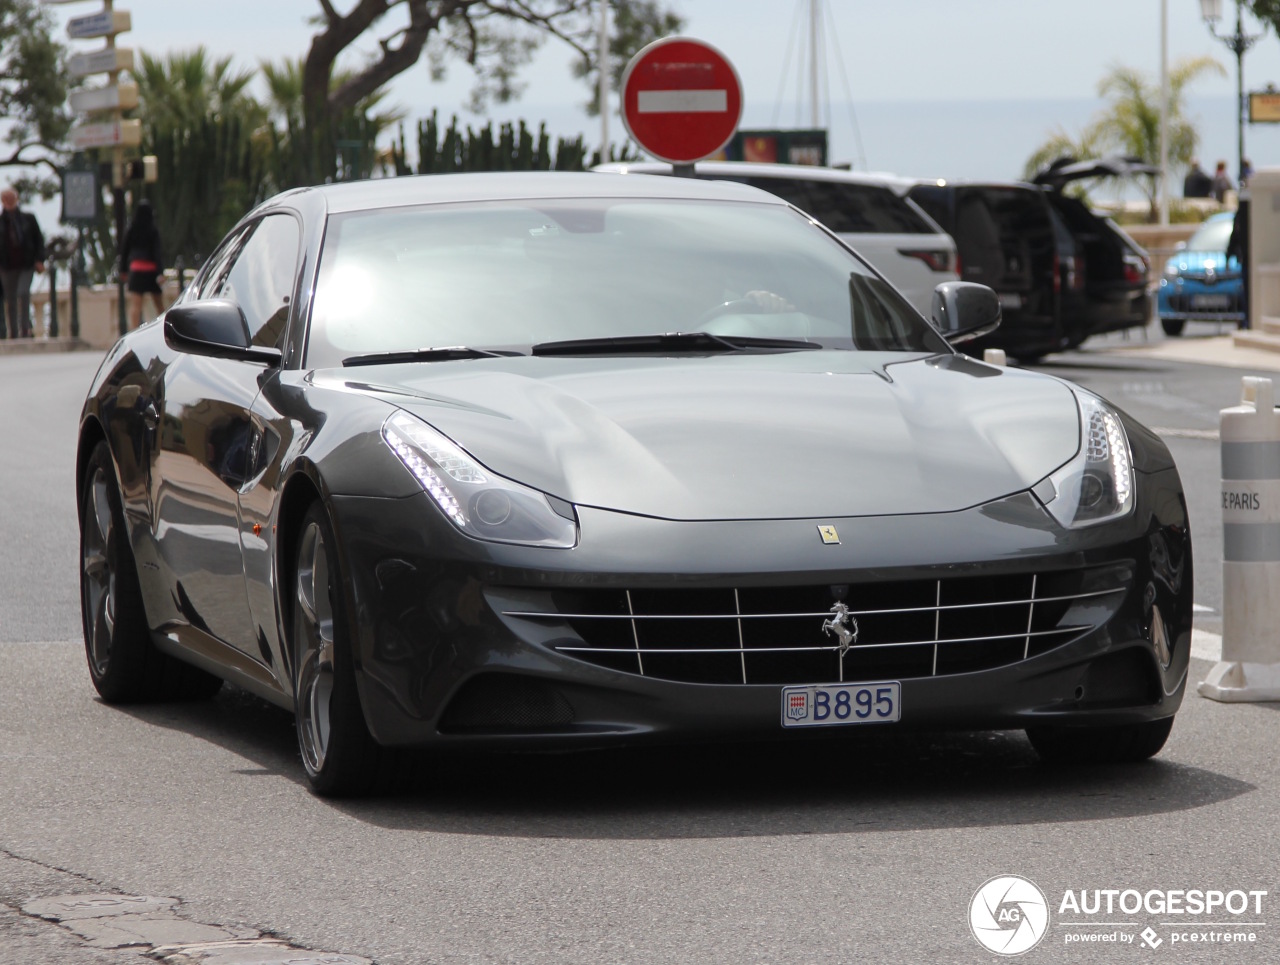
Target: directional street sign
[106, 23]
[101, 61]
[681, 99]
[110, 134]
[121, 97]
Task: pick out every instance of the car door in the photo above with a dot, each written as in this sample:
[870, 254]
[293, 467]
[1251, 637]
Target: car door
[210, 443]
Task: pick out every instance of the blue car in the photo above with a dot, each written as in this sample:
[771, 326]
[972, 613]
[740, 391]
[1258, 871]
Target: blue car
[1200, 283]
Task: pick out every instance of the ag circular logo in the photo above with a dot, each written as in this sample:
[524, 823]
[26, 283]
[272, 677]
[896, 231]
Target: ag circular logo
[1008, 915]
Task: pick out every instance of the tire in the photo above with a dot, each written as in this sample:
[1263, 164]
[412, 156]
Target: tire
[339, 754]
[1122, 744]
[1173, 326]
[123, 663]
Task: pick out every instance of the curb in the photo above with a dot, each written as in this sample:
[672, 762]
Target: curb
[42, 346]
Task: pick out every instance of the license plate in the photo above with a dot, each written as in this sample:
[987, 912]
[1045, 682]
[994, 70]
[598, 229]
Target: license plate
[1010, 300]
[1211, 301]
[826, 705]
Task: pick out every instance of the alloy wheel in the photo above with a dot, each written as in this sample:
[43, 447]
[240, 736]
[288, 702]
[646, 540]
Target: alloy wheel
[315, 629]
[97, 562]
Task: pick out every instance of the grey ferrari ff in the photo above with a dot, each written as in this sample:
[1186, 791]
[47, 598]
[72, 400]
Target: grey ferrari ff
[554, 461]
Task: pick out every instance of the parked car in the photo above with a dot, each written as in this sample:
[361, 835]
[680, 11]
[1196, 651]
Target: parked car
[555, 460]
[902, 242]
[1062, 272]
[1201, 283]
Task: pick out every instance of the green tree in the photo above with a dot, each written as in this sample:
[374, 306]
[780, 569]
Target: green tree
[200, 121]
[494, 37]
[355, 129]
[33, 92]
[186, 86]
[1088, 143]
[1268, 11]
[1130, 123]
[636, 24]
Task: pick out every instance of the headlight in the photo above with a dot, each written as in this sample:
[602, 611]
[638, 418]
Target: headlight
[1097, 485]
[475, 500]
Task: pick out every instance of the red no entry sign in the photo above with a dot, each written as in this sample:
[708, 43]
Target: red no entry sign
[681, 99]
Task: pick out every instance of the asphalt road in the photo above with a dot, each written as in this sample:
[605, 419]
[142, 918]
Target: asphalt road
[867, 851]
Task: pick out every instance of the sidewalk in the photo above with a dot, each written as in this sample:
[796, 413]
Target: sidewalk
[36, 346]
[1202, 350]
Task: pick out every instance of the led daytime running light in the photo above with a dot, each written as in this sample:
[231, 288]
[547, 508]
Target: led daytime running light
[1118, 449]
[427, 476]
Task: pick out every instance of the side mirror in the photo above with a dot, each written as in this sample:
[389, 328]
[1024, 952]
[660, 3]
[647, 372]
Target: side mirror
[215, 328]
[963, 311]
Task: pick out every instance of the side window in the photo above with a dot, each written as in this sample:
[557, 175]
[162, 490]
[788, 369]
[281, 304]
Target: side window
[848, 208]
[261, 279]
[934, 202]
[877, 210]
[799, 192]
[214, 273]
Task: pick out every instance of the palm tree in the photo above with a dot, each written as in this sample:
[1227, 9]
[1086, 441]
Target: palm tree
[199, 120]
[186, 86]
[1089, 143]
[353, 130]
[1130, 124]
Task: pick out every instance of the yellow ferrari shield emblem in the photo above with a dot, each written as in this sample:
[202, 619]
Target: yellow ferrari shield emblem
[828, 534]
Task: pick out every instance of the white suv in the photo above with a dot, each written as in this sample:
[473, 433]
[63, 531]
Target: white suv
[891, 232]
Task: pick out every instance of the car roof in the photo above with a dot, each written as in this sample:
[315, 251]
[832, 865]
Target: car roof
[412, 190]
[745, 169]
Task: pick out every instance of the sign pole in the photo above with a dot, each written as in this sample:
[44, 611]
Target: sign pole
[117, 192]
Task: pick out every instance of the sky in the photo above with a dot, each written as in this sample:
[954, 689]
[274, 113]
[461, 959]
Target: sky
[950, 88]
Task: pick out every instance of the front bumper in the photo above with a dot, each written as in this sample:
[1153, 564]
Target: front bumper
[1176, 300]
[438, 662]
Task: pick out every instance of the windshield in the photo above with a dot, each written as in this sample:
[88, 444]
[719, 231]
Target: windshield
[1212, 235]
[509, 275]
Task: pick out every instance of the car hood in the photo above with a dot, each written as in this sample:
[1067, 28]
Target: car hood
[793, 435]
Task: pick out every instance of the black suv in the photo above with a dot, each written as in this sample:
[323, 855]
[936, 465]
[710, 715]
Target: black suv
[1062, 272]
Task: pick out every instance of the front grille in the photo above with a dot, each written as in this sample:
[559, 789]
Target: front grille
[776, 635]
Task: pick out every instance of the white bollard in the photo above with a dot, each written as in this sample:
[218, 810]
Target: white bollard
[994, 356]
[1250, 665]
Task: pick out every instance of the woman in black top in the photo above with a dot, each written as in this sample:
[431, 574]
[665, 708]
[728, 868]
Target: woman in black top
[141, 262]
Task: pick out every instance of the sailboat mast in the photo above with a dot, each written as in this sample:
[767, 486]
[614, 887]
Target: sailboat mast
[815, 29]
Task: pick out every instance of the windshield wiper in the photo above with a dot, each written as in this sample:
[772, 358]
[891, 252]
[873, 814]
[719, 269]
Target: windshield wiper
[444, 354]
[669, 342]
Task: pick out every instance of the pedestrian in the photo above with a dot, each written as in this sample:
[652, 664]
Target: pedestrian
[1197, 183]
[1246, 171]
[22, 254]
[141, 262]
[1221, 183]
[1238, 246]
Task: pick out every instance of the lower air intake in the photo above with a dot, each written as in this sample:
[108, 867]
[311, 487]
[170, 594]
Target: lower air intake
[497, 703]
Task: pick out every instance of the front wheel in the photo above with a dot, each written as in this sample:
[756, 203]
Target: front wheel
[1173, 326]
[1121, 744]
[340, 756]
[124, 665]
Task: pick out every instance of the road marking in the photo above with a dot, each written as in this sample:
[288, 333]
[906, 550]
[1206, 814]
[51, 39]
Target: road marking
[1171, 433]
[1197, 608]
